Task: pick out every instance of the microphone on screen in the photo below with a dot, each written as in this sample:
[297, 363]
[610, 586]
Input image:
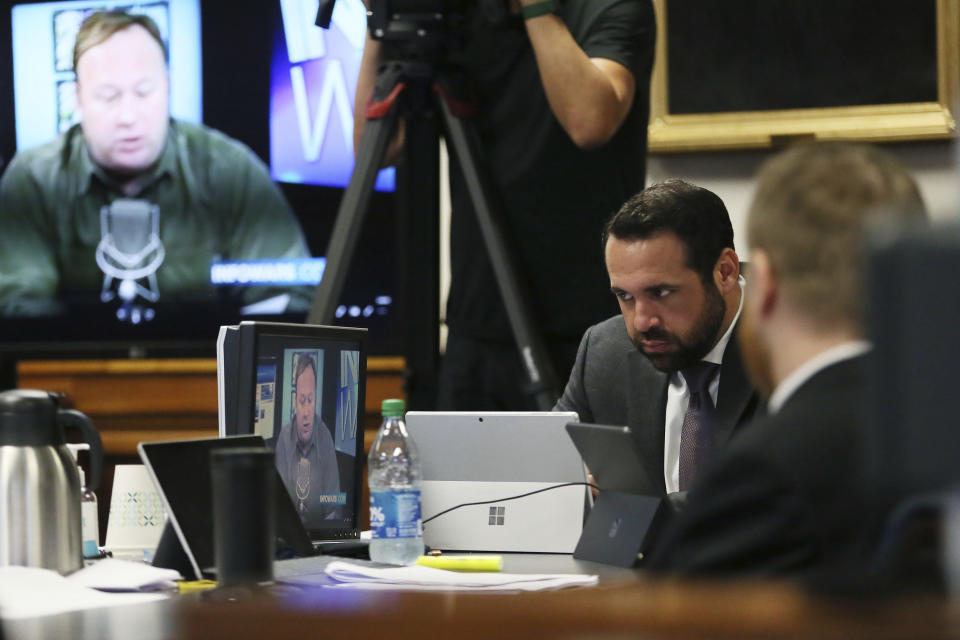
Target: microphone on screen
[130, 251]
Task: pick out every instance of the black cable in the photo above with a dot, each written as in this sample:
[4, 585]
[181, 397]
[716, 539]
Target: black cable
[523, 495]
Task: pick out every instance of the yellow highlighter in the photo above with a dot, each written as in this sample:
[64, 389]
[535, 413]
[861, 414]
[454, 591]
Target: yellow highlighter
[462, 563]
[189, 586]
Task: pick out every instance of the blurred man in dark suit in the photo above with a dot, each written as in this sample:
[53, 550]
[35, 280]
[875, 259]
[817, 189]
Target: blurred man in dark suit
[784, 498]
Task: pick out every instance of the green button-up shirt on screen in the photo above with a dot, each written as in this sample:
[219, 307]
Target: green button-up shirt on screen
[216, 201]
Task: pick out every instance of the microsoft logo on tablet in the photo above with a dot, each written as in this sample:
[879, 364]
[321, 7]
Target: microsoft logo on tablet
[496, 516]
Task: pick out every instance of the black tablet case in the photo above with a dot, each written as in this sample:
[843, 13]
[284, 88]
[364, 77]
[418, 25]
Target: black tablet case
[623, 522]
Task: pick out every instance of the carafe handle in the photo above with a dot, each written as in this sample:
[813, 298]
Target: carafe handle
[70, 418]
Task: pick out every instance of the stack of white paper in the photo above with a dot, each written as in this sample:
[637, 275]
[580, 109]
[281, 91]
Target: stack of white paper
[29, 592]
[120, 575]
[354, 576]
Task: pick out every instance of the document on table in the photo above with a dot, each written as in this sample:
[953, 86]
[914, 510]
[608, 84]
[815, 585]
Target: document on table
[27, 592]
[355, 576]
[121, 575]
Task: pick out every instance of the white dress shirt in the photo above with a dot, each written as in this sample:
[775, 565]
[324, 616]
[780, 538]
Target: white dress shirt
[678, 399]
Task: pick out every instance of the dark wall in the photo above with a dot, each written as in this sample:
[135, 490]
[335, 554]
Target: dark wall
[7, 134]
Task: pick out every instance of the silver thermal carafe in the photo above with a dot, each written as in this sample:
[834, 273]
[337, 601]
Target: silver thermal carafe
[39, 483]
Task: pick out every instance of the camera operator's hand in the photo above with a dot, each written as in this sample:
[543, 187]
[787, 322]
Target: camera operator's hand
[590, 97]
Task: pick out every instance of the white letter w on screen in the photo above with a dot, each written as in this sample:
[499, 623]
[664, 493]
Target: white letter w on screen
[333, 90]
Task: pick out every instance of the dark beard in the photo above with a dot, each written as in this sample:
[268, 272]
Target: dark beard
[692, 347]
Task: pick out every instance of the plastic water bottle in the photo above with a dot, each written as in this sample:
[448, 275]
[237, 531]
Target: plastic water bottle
[394, 477]
[89, 520]
[89, 525]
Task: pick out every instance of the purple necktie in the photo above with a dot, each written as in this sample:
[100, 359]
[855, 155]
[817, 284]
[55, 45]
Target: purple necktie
[696, 436]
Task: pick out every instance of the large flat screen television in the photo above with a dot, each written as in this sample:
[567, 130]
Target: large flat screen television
[226, 66]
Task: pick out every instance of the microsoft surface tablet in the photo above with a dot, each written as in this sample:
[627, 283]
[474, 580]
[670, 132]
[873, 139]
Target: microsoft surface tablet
[492, 458]
[623, 522]
[181, 472]
[610, 453]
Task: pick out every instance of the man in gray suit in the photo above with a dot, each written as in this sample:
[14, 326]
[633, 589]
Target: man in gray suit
[672, 265]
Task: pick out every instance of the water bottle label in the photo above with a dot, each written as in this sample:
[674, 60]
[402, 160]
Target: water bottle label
[395, 514]
[88, 529]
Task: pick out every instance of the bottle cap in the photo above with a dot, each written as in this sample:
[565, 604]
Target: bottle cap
[392, 408]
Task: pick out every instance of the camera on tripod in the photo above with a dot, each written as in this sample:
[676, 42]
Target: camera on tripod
[416, 82]
[420, 25]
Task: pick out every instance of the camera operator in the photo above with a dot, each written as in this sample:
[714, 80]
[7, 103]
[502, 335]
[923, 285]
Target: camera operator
[562, 88]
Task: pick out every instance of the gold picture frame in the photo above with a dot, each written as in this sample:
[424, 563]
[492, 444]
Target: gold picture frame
[763, 129]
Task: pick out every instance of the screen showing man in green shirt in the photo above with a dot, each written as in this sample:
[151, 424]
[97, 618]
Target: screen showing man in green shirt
[131, 207]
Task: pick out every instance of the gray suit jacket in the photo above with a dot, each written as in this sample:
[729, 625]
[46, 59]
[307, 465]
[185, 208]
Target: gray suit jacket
[614, 383]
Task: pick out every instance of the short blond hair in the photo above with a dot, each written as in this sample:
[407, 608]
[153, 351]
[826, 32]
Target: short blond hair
[100, 25]
[808, 215]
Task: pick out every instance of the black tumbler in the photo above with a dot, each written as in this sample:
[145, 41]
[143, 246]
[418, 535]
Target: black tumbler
[244, 528]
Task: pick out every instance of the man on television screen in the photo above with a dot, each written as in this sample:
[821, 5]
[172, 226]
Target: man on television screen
[306, 458]
[130, 204]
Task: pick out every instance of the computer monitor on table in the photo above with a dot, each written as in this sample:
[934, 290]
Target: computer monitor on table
[302, 388]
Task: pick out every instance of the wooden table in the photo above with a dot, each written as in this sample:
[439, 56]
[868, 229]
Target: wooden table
[626, 604]
[648, 609]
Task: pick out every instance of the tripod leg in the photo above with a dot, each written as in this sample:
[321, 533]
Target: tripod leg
[540, 373]
[353, 208]
[418, 256]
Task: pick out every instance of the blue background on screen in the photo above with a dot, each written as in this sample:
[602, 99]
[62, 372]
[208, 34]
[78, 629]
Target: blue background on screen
[38, 67]
[313, 78]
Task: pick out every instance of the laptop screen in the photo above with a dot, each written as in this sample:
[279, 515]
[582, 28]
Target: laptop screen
[301, 388]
